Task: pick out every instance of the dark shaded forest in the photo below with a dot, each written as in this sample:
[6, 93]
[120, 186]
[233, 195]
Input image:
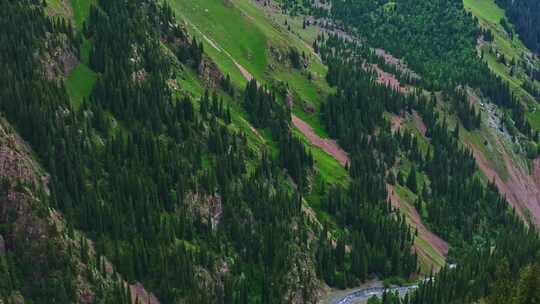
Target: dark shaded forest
[525, 15]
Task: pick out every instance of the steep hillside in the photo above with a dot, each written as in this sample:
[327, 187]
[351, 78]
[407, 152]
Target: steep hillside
[501, 155]
[526, 18]
[305, 86]
[479, 120]
[247, 151]
[42, 258]
[158, 172]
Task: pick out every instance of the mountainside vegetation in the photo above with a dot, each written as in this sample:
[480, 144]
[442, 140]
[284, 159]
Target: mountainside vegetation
[525, 16]
[260, 151]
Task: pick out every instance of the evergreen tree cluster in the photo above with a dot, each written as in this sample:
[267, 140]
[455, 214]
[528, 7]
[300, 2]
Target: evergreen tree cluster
[134, 167]
[455, 204]
[468, 115]
[437, 39]
[266, 113]
[525, 15]
[133, 162]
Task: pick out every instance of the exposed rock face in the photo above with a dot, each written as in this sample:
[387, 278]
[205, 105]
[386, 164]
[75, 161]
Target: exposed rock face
[139, 75]
[279, 55]
[26, 227]
[63, 9]
[206, 208]
[59, 58]
[15, 159]
[140, 295]
[39, 235]
[210, 73]
[301, 277]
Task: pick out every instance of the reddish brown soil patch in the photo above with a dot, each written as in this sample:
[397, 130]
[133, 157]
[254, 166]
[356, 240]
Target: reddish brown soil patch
[436, 242]
[537, 172]
[396, 122]
[386, 78]
[327, 145]
[398, 63]
[139, 295]
[419, 123]
[524, 190]
[521, 189]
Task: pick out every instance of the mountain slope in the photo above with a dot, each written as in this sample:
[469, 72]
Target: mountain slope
[262, 20]
[41, 257]
[239, 151]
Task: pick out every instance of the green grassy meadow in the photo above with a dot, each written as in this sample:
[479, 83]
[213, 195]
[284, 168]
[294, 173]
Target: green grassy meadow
[79, 83]
[81, 10]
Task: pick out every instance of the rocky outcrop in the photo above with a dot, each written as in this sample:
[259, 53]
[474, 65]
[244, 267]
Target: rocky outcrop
[45, 250]
[206, 208]
[210, 73]
[302, 280]
[59, 57]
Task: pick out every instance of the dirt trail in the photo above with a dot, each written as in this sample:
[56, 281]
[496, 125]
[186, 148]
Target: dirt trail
[250, 126]
[327, 145]
[247, 75]
[424, 233]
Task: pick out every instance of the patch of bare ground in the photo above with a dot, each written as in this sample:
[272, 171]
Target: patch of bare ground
[524, 190]
[139, 295]
[480, 42]
[521, 189]
[209, 73]
[59, 58]
[61, 9]
[438, 244]
[419, 123]
[311, 215]
[397, 63]
[385, 78]
[536, 173]
[327, 145]
[245, 73]
[396, 121]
